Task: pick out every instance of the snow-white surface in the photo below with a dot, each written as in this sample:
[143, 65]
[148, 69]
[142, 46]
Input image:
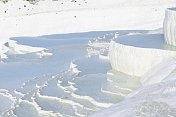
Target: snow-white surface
[152, 100]
[90, 16]
[169, 26]
[52, 66]
[68, 93]
[159, 72]
[136, 54]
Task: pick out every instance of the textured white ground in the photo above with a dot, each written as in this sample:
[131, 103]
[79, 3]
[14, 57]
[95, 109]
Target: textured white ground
[169, 26]
[139, 53]
[56, 61]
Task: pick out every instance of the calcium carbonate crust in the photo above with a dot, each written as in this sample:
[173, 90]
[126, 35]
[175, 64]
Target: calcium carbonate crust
[170, 26]
[136, 61]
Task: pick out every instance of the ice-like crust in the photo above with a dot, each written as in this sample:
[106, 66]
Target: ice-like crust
[7, 101]
[87, 85]
[170, 26]
[149, 101]
[135, 61]
[166, 67]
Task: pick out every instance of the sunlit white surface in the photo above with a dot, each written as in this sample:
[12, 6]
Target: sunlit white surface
[169, 26]
[49, 68]
[136, 54]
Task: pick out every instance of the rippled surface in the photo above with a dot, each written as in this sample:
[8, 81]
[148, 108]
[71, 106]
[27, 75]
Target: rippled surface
[77, 81]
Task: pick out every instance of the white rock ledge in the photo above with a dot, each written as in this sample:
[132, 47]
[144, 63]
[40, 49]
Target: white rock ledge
[137, 54]
[170, 26]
